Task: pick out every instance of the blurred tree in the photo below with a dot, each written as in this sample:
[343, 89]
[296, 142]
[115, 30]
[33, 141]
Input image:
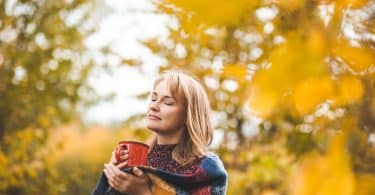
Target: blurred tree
[43, 61]
[43, 70]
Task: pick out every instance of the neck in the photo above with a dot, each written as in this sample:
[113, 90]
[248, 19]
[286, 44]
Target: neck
[164, 139]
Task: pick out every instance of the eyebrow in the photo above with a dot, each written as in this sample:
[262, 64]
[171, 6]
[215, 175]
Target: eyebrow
[165, 96]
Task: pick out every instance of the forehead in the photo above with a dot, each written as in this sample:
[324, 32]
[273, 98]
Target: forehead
[162, 88]
[168, 87]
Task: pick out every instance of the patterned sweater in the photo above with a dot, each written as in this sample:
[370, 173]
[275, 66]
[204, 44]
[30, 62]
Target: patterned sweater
[203, 176]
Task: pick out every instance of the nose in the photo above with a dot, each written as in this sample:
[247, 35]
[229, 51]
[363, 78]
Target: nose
[154, 106]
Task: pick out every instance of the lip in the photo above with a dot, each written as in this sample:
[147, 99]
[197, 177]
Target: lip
[153, 117]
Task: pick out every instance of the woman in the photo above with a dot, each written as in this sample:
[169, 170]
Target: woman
[178, 161]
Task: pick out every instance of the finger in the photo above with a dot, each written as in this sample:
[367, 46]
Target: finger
[122, 164]
[117, 172]
[112, 169]
[124, 156]
[105, 170]
[109, 178]
[110, 182]
[113, 157]
[105, 173]
[113, 161]
[109, 171]
[123, 152]
[121, 178]
[137, 171]
[114, 182]
[121, 175]
[114, 153]
[119, 185]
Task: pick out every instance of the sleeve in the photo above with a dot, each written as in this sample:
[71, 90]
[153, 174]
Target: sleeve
[101, 186]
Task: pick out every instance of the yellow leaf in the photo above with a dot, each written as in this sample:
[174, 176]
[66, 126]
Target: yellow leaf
[350, 90]
[316, 42]
[291, 63]
[290, 5]
[325, 175]
[365, 184]
[235, 71]
[352, 3]
[311, 92]
[269, 192]
[3, 162]
[43, 121]
[209, 12]
[261, 101]
[359, 59]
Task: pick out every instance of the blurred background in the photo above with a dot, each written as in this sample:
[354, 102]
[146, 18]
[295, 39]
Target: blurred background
[291, 84]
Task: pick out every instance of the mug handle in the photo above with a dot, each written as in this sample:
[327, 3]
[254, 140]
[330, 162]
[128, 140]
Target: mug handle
[118, 150]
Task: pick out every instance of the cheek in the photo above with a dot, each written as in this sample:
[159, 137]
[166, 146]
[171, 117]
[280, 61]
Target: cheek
[175, 117]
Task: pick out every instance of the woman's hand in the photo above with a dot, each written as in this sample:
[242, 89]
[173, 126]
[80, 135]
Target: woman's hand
[124, 155]
[137, 184]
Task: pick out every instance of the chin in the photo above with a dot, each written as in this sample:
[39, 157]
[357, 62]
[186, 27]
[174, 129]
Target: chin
[152, 127]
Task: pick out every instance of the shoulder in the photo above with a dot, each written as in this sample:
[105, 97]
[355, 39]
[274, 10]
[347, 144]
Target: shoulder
[215, 171]
[212, 159]
[213, 165]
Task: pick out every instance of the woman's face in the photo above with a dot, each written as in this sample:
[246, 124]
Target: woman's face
[166, 113]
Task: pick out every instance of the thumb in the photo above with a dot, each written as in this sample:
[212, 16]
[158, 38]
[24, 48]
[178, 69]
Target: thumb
[137, 171]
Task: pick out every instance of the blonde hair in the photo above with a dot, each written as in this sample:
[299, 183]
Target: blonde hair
[198, 132]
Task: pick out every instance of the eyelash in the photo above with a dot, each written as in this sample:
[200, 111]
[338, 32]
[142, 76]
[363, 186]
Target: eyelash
[169, 104]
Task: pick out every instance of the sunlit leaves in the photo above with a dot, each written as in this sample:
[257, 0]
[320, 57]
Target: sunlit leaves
[290, 5]
[43, 64]
[309, 84]
[365, 184]
[325, 175]
[350, 90]
[269, 163]
[311, 92]
[18, 160]
[360, 59]
[291, 63]
[352, 3]
[262, 101]
[43, 67]
[235, 71]
[209, 12]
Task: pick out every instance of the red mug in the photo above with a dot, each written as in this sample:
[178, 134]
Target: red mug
[137, 152]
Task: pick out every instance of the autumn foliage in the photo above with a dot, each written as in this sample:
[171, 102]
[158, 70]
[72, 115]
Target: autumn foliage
[291, 84]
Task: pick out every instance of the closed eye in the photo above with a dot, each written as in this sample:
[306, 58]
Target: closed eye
[167, 100]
